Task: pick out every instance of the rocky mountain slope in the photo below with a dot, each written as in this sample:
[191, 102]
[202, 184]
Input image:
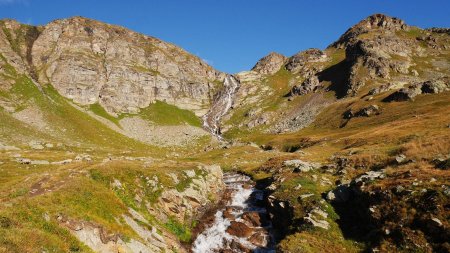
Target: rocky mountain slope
[113, 141]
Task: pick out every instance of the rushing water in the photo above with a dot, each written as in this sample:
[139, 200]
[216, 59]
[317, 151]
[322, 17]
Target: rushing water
[220, 106]
[221, 234]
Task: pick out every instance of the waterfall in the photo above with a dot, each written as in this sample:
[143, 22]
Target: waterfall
[220, 106]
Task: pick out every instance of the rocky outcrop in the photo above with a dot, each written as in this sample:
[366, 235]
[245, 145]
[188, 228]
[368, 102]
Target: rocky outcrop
[385, 87]
[311, 84]
[270, 64]
[371, 59]
[301, 62]
[92, 62]
[363, 112]
[188, 203]
[439, 30]
[196, 190]
[99, 240]
[410, 92]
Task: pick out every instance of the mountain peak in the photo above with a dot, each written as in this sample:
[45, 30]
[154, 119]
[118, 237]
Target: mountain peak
[371, 23]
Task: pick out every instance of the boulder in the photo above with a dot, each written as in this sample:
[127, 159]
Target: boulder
[252, 218]
[36, 145]
[239, 229]
[23, 160]
[409, 93]
[400, 159]
[404, 94]
[369, 111]
[300, 166]
[434, 86]
[228, 214]
[259, 239]
[39, 162]
[370, 176]
[441, 163]
[317, 222]
[364, 112]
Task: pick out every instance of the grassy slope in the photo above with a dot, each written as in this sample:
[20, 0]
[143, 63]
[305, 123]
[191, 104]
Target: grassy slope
[159, 113]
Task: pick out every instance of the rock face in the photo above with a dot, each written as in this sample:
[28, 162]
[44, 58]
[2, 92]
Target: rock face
[92, 62]
[270, 64]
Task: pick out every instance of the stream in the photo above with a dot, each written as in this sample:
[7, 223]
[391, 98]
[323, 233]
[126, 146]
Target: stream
[242, 225]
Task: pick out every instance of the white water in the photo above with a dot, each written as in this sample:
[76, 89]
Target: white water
[215, 237]
[221, 105]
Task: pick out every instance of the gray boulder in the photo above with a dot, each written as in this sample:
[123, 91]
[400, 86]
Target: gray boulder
[300, 166]
[405, 94]
[434, 86]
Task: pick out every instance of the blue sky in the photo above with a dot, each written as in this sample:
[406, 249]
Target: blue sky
[232, 35]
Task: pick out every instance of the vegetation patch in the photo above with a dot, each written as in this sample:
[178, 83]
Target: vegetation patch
[162, 113]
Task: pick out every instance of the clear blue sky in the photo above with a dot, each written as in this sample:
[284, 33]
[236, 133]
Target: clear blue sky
[233, 34]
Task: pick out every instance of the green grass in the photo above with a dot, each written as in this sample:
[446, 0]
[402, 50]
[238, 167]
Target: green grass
[161, 113]
[10, 71]
[414, 32]
[100, 111]
[181, 231]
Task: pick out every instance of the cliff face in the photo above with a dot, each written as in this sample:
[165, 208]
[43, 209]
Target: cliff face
[92, 62]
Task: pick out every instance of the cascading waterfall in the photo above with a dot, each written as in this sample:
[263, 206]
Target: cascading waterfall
[232, 229]
[221, 105]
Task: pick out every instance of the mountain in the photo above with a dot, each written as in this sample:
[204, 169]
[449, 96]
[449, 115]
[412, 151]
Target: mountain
[114, 141]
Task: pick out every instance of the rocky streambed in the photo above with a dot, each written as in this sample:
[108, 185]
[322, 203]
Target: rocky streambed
[241, 224]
